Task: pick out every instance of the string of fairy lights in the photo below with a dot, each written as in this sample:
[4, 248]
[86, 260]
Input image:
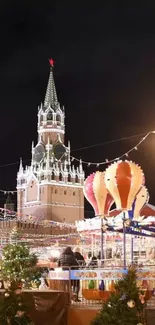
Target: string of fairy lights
[107, 161]
[97, 164]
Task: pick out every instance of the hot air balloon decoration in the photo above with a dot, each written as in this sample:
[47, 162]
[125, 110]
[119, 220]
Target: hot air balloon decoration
[123, 180]
[142, 198]
[89, 192]
[97, 194]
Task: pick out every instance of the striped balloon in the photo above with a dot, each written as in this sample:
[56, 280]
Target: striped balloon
[89, 192]
[141, 199]
[97, 195]
[123, 180]
[103, 198]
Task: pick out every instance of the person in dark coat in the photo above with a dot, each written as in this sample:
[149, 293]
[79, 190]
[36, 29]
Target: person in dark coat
[67, 260]
[93, 263]
[79, 257]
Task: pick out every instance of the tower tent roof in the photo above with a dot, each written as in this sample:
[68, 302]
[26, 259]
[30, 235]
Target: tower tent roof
[51, 95]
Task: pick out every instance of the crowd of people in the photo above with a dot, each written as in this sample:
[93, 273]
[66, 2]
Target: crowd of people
[70, 258]
[74, 260]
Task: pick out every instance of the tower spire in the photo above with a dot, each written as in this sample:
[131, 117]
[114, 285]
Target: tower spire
[51, 95]
[20, 166]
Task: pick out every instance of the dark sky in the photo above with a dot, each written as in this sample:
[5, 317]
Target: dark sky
[104, 73]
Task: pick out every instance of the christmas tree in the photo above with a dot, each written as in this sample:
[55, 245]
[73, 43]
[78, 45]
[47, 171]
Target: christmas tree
[18, 267]
[125, 306]
[13, 309]
[15, 235]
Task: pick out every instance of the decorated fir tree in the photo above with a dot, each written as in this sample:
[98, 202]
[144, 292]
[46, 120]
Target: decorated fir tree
[13, 310]
[18, 268]
[125, 306]
[19, 265]
[15, 235]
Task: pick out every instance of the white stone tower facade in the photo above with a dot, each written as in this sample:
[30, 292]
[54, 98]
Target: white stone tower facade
[51, 188]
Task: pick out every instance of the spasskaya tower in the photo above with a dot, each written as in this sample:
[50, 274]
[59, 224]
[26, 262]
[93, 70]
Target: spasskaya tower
[51, 187]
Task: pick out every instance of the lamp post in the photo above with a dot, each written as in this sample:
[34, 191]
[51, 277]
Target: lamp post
[131, 250]
[103, 230]
[124, 240]
[102, 238]
[126, 223]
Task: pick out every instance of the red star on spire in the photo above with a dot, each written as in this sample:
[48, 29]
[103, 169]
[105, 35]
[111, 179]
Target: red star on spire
[51, 62]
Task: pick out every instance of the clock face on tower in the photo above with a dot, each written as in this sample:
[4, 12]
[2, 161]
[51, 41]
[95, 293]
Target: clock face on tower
[39, 152]
[59, 151]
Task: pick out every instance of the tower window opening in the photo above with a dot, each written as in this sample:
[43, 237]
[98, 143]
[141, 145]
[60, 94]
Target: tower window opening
[53, 176]
[60, 177]
[69, 178]
[58, 119]
[65, 192]
[49, 116]
[56, 191]
[76, 179]
[74, 193]
[41, 118]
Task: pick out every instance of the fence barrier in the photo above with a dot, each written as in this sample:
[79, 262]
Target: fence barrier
[93, 286]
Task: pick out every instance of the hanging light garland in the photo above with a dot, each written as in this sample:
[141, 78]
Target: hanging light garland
[107, 161]
[97, 164]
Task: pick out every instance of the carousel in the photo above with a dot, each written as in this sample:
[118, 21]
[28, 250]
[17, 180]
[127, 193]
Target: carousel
[128, 238]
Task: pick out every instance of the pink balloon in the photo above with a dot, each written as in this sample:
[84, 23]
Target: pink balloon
[109, 202]
[89, 193]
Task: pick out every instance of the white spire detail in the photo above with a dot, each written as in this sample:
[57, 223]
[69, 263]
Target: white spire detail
[69, 150]
[21, 167]
[80, 167]
[51, 95]
[65, 166]
[59, 138]
[48, 155]
[32, 152]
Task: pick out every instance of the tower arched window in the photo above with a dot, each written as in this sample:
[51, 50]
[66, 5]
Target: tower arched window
[53, 176]
[41, 118]
[60, 177]
[42, 177]
[76, 179]
[69, 178]
[58, 119]
[49, 116]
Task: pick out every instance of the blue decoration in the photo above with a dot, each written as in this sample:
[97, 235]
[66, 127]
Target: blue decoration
[123, 297]
[131, 212]
[102, 286]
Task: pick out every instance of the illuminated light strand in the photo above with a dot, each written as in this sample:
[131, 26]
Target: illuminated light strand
[107, 161]
[97, 164]
[29, 219]
[37, 236]
[49, 236]
[8, 192]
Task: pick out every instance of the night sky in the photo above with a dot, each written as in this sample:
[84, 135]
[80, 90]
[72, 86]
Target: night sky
[104, 74]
